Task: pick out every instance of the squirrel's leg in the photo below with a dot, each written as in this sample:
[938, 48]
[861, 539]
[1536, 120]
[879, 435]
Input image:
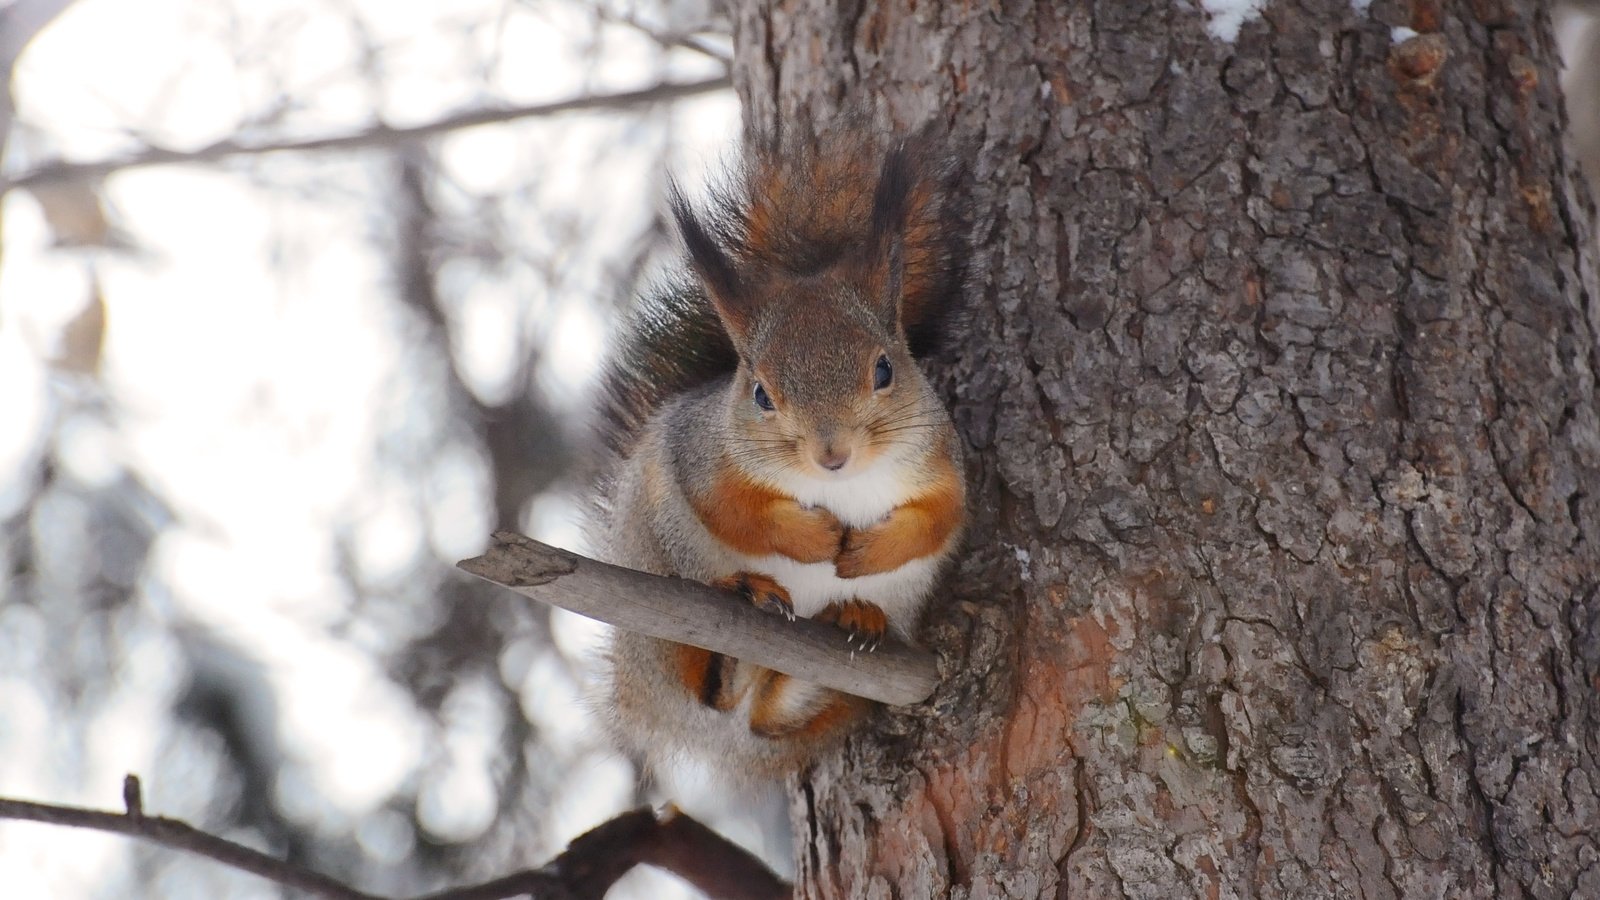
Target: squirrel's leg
[716, 680]
[707, 675]
[866, 622]
[786, 707]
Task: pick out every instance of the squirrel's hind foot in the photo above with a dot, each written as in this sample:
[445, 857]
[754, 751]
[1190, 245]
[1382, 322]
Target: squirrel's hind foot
[865, 622]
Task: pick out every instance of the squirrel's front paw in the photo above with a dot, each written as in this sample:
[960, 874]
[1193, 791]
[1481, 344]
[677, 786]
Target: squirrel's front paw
[808, 534]
[866, 551]
[866, 622]
[759, 591]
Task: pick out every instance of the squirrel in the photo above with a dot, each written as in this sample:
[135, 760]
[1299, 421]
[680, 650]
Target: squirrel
[772, 435]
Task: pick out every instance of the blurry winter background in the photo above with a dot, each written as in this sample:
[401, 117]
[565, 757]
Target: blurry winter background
[254, 403]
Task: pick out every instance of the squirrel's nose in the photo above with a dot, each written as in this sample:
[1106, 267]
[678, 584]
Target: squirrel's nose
[832, 458]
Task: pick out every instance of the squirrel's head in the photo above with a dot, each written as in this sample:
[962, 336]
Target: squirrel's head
[826, 383]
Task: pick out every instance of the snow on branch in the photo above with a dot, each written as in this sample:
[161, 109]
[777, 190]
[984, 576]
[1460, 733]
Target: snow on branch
[590, 865]
[692, 613]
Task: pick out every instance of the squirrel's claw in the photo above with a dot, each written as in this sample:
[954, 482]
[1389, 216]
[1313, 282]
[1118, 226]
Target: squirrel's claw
[865, 623]
[760, 591]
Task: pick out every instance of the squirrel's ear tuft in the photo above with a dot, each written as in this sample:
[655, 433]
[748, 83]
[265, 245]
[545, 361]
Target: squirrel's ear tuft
[890, 205]
[711, 263]
[892, 198]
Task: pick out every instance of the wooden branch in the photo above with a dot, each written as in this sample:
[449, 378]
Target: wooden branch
[711, 863]
[586, 870]
[692, 613]
[380, 135]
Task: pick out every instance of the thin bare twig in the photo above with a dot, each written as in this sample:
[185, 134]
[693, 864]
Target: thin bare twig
[692, 613]
[180, 835]
[588, 868]
[378, 135]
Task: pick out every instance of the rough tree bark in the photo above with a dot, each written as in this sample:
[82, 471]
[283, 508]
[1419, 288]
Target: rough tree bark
[1280, 387]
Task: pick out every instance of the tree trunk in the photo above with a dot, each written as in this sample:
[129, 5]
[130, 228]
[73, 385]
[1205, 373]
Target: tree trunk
[1284, 576]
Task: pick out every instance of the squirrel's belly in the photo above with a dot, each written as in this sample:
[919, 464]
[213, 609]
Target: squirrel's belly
[812, 586]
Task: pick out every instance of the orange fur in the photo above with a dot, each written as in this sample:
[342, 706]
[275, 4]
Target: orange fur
[751, 583]
[831, 199]
[701, 672]
[761, 591]
[770, 717]
[840, 711]
[826, 199]
[757, 520]
[922, 269]
[857, 617]
[773, 715]
[920, 527]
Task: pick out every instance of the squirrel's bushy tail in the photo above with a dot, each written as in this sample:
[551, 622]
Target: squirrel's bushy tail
[799, 207]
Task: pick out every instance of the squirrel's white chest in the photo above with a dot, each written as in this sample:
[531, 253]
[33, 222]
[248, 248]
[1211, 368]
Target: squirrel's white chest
[859, 501]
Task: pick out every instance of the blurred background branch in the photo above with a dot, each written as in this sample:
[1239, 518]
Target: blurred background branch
[586, 870]
[55, 172]
[255, 411]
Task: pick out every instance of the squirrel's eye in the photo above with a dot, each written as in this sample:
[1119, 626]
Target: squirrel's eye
[762, 400]
[882, 374]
